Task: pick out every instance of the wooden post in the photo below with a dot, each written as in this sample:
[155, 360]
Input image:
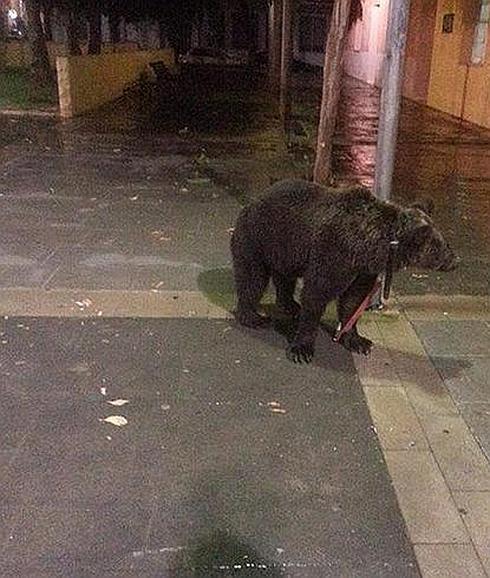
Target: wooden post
[275, 26]
[95, 28]
[332, 77]
[286, 57]
[391, 93]
[40, 59]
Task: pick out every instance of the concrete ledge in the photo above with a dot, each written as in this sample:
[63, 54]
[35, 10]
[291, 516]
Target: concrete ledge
[79, 303]
[29, 112]
[434, 307]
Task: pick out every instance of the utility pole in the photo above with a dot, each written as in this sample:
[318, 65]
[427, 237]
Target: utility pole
[391, 94]
[389, 113]
[286, 57]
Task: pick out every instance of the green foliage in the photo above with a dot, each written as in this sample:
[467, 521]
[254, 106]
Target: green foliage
[18, 91]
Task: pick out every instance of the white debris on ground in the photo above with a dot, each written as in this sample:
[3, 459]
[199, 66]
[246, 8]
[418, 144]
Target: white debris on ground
[118, 402]
[275, 407]
[117, 420]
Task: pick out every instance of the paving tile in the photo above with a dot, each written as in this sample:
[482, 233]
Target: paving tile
[460, 458]
[115, 269]
[9, 495]
[377, 369]
[475, 510]
[400, 336]
[31, 275]
[19, 415]
[477, 416]
[484, 553]
[428, 509]
[467, 378]
[455, 337]
[414, 369]
[448, 561]
[425, 388]
[396, 423]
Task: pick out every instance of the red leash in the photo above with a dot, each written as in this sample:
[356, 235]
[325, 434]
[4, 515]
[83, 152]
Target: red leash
[388, 278]
[357, 313]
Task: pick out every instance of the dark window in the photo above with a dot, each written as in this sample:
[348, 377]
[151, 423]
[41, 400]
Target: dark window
[447, 23]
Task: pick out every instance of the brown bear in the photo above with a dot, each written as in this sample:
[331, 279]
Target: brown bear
[338, 242]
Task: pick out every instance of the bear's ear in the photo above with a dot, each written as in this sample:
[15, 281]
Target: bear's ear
[425, 205]
[412, 225]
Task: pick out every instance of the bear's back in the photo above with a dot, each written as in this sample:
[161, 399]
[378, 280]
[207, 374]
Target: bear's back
[297, 200]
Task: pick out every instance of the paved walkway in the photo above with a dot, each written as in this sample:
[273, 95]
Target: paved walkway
[116, 285]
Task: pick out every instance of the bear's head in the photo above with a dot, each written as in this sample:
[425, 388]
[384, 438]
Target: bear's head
[421, 243]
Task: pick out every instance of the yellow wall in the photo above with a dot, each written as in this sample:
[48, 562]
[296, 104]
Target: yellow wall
[455, 86]
[86, 82]
[17, 53]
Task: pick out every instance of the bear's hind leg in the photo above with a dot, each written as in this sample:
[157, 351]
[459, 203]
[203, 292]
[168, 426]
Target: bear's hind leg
[251, 280]
[285, 287]
[347, 304]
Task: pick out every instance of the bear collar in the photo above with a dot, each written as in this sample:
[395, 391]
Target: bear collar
[390, 263]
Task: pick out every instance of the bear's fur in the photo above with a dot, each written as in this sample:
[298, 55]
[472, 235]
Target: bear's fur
[337, 241]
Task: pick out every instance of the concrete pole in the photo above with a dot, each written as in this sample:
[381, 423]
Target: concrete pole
[286, 57]
[391, 93]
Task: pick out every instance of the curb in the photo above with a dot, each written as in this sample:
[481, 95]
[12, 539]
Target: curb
[29, 112]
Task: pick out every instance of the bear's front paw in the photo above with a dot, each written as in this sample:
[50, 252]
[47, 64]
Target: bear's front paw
[300, 352]
[252, 319]
[356, 343]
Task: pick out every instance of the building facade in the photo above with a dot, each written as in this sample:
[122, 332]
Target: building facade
[447, 62]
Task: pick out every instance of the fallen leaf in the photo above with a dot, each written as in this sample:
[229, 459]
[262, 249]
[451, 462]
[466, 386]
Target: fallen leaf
[118, 401]
[118, 420]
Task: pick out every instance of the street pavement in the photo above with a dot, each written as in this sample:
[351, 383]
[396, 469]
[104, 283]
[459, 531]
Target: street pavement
[221, 457]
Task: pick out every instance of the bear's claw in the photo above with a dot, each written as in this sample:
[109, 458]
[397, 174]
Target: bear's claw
[356, 343]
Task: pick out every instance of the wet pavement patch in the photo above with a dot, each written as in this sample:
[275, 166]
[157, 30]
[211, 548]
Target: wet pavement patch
[228, 457]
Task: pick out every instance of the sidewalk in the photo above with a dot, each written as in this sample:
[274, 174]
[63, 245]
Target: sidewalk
[116, 285]
[426, 389]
